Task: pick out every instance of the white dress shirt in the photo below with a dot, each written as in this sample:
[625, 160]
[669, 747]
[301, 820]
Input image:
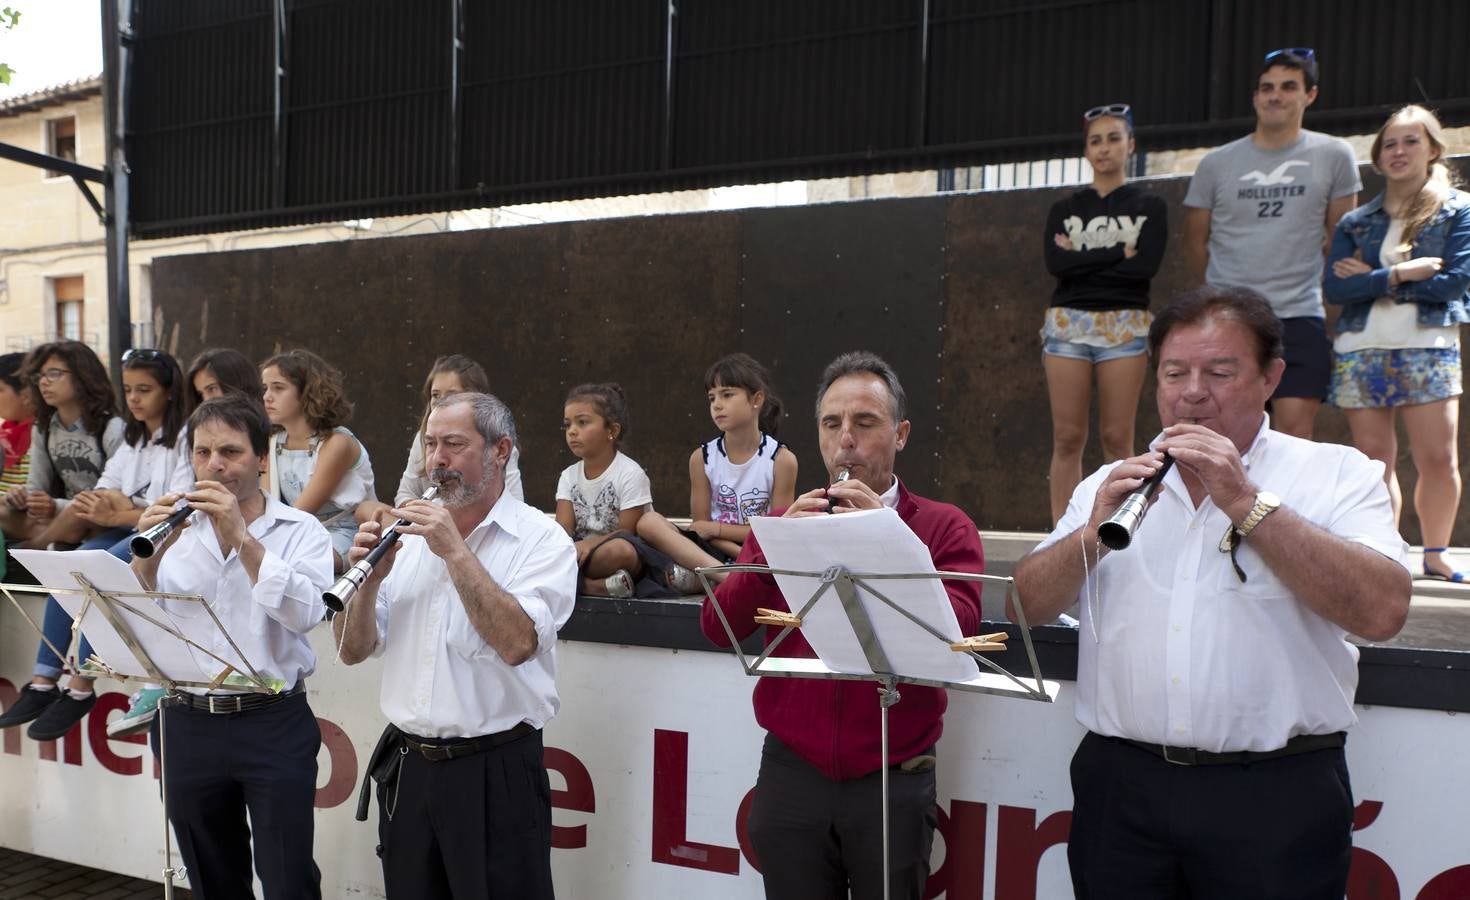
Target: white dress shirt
[440, 678]
[1174, 649]
[268, 620]
[143, 474]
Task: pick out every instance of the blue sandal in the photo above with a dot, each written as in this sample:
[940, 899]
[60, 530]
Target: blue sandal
[1456, 577]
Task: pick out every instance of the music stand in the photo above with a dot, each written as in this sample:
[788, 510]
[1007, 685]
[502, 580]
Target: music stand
[136, 640]
[849, 586]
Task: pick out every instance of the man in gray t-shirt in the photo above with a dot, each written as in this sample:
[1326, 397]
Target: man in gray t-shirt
[1257, 214]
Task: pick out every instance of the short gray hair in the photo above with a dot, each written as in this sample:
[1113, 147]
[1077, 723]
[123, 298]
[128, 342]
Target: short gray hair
[492, 417]
[862, 362]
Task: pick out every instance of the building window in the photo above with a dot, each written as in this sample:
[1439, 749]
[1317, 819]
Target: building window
[61, 140]
[70, 294]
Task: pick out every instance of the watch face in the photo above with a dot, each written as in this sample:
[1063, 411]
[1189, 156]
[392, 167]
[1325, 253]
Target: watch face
[1268, 499]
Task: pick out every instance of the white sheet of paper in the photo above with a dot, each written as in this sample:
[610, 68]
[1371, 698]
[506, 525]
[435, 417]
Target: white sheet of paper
[108, 573]
[872, 541]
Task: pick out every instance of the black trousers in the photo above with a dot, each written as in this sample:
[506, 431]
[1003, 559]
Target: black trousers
[818, 839]
[473, 828]
[221, 768]
[1143, 828]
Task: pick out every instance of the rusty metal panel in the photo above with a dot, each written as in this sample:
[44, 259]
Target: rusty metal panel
[822, 280]
[641, 302]
[950, 290]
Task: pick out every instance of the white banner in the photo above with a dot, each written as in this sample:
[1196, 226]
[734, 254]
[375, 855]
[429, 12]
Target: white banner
[652, 759]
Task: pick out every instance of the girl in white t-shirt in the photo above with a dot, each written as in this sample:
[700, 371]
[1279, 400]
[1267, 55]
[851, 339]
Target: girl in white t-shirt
[315, 464]
[742, 473]
[600, 499]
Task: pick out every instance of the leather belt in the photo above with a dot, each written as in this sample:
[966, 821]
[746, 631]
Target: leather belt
[224, 704]
[458, 748]
[1188, 756]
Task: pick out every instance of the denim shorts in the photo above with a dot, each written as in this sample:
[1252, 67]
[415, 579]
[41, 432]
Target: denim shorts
[1069, 350]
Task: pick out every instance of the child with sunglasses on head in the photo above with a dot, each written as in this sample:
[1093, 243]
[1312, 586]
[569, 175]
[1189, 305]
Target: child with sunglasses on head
[150, 462]
[1103, 244]
[742, 473]
[315, 464]
[76, 431]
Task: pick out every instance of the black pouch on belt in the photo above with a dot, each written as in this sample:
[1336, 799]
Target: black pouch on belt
[382, 766]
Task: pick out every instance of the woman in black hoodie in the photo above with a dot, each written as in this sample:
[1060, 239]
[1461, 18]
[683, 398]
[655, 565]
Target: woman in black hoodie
[1103, 243]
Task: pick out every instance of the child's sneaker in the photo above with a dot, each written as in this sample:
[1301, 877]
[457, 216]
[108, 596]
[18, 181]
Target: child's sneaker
[140, 713]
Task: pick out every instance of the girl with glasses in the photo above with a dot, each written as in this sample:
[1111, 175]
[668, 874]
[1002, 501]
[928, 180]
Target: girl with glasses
[1103, 244]
[149, 463]
[1400, 269]
[77, 430]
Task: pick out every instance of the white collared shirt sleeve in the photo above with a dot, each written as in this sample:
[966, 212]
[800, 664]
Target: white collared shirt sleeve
[1363, 512]
[291, 579]
[115, 472]
[546, 587]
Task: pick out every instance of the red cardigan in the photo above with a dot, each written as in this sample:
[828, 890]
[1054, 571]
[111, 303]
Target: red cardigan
[834, 725]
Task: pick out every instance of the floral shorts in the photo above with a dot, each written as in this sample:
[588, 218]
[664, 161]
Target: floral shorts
[1103, 328]
[1372, 379]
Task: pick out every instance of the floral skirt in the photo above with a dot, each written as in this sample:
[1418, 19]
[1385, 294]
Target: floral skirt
[1373, 379]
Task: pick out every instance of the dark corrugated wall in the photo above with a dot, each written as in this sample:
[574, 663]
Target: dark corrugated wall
[388, 107]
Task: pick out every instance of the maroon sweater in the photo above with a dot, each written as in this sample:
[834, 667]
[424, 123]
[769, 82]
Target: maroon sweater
[834, 725]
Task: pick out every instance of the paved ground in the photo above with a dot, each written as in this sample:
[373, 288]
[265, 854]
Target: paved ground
[27, 877]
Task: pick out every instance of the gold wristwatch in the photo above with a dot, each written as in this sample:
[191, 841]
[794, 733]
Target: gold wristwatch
[1266, 503]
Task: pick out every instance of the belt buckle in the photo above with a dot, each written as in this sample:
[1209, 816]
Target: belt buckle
[223, 707]
[1186, 754]
[434, 752]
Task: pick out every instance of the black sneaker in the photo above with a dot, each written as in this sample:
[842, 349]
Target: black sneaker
[59, 717]
[29, 705]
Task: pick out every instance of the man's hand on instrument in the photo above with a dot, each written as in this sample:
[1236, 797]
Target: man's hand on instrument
[223, 509]
[367, 537]
[1126, 477]
[433, 523]
[852, 495]
[1213, 459]
[812, 503]
[161, 509]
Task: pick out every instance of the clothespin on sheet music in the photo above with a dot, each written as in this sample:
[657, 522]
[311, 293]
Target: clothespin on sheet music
[981, 643]
[765, 616]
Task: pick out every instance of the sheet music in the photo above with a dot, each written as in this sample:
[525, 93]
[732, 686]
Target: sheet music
[106, 572]
[871, 541]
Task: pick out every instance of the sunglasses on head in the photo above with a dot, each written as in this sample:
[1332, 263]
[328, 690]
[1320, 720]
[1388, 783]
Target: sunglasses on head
[1121, 110]
[141, 355]
[1305, 54]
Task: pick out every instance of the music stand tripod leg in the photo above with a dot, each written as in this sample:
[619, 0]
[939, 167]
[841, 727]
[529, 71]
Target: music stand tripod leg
[169, 872]
[887, 696]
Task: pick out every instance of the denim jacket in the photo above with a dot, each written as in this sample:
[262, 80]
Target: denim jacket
[1441, 299]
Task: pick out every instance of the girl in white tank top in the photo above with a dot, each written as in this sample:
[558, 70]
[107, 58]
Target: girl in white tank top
[315, 464]
[744, 472]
